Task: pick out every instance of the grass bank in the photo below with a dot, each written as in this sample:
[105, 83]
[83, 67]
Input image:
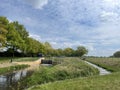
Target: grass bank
[68, 69]
[107, 82]
[111, 64]
[12, 68]
[19, 59]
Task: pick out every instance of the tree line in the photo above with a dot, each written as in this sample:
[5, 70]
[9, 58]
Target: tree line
[15, 38]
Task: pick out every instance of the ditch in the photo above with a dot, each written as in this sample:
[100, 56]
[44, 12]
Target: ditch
[12, 81]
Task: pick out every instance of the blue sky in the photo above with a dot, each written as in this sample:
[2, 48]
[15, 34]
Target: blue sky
[94, 24]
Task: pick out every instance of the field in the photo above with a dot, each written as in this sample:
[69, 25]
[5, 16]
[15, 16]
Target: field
[106, 82]
[111, 64]
[68, 69]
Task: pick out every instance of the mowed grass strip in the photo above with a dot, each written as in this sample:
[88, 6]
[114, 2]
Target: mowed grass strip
[12, 68]
[107, 82]
[68, 69]
[111, 64]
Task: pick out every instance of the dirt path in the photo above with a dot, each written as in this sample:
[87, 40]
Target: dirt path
[6, 64]
[33, 64]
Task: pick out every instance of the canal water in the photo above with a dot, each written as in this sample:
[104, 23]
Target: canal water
[101, 70]
[11, 81]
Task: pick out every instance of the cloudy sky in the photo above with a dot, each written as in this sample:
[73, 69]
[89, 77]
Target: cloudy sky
[94, 24]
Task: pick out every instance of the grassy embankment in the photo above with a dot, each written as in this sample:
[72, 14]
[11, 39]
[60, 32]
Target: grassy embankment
[106, 82]
[111, 64]
[12, 68]
[68, 69]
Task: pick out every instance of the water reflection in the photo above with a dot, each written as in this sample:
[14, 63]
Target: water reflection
[10, 81]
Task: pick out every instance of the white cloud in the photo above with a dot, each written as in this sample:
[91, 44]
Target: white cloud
[35, 36]
[79, 11]
[108, 32]
[110, 17]
[72, 44]
[109, 14]
[38, 4]
[111, 3]
[106, 37]
[102, 52]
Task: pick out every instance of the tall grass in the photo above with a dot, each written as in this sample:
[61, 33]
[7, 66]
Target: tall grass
[107, 82]
[68, 69]
[12, 68]
[111, 64]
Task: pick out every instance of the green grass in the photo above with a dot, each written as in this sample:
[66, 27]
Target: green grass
[19, 59]
[26, 59]
[4, 59]
[68, 69]
[111, 64]
[107, 82]
[12, 68]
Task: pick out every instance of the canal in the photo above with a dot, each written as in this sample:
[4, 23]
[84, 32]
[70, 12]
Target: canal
[11, 81]
[101, 70]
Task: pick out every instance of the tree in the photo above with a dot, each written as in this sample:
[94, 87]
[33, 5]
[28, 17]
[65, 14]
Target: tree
[14, 41]
[30, 46]
[3, 30]
[21, 30]
[34, 47]
[116, 54]
[60, 52]
[81, 50]
[68, 52]
[23, 34]
[49, 50]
